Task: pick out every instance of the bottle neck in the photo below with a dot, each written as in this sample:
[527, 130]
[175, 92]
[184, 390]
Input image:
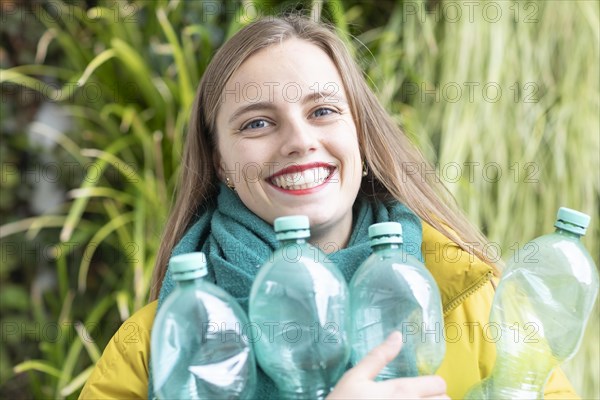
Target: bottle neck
[566, 233]
[385, 246]
[187, 282]
[287, 242]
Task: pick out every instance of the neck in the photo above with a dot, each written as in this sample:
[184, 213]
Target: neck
[331, 239]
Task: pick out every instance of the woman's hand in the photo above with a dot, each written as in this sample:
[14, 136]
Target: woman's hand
[358, 382]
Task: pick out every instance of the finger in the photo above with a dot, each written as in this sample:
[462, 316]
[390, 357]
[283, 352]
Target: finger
[379, 357]
[432, 386]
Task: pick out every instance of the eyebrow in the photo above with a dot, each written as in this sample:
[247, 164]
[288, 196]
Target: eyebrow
[261, 105]
[314, 96]
[269, 105]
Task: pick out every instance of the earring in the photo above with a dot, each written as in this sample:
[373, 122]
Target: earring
[365, 169]
[229, 184]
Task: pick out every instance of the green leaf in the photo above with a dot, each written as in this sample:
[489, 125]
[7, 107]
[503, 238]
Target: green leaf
[94, 64]
[70, 362]
[13, 297]
[92, 177]
[77, 382]
[37, 365]
[185, 87]
[140, 73]
[95, 241]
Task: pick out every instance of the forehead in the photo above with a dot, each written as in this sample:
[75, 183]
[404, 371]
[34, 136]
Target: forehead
[288, 69]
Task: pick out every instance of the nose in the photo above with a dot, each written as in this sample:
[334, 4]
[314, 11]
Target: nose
[298, 138]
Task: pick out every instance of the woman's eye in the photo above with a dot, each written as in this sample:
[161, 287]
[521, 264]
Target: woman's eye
[256, 124]
[321, 112]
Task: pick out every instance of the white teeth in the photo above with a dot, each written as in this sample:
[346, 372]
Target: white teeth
[302, 180]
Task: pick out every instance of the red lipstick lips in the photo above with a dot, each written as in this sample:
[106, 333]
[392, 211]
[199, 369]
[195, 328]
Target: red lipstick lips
[298, 169]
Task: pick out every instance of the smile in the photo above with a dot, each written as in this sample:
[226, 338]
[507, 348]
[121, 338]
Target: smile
[302, 177]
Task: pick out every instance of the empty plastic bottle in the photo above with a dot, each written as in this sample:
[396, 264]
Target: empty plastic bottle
[540, 310]
[299, 305]
[390, 291]
[198, 348]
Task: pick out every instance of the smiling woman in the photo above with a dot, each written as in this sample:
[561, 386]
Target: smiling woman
[285, 124]
[306, 145]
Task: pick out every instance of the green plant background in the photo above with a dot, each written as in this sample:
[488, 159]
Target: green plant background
[126, 72]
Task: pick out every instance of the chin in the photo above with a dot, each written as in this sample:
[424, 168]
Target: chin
[319, 218]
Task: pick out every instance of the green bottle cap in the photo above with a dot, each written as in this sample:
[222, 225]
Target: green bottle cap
[188, 266]
[385, 233]
[572, 220]
[292, 227]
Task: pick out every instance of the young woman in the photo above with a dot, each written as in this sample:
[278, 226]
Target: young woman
[283, 124]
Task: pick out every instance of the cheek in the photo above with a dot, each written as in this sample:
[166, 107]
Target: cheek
[351, 149]
[350, 142]
[244, 162]
[355, 163]
[229, 153]
[217, 161]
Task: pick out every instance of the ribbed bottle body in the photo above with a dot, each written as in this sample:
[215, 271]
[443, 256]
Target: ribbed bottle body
[200, 347]
[393, 291]
[299, 305]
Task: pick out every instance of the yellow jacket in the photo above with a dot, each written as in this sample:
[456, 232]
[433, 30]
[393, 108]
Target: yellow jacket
[467, 293]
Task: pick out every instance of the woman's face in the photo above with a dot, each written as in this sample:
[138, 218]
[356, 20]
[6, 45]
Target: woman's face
[288, 142]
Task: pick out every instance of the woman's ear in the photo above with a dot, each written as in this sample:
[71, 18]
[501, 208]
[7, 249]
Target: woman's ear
[220, 169]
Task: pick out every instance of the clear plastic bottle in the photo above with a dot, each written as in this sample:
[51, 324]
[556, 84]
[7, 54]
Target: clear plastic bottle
[299, 305]
[540, 310]
[390, 291]
[198, 346]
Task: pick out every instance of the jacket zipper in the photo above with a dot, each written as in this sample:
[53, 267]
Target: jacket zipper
[469, 291]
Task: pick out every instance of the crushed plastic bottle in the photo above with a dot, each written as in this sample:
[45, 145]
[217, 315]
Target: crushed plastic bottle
[541, 308]
[393, 291]
[198, 349]
[299, 304]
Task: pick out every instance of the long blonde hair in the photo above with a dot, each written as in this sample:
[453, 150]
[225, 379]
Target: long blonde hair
[397, 169]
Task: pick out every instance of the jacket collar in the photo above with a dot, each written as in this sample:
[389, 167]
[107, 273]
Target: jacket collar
[457, 272]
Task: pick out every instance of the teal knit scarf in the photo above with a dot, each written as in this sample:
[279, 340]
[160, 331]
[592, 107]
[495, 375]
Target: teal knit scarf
[237, 242]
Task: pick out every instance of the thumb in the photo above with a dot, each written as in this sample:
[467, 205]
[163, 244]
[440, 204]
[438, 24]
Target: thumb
[380, 356]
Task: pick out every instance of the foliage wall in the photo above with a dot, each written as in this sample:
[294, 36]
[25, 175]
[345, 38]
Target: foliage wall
[502, 95]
